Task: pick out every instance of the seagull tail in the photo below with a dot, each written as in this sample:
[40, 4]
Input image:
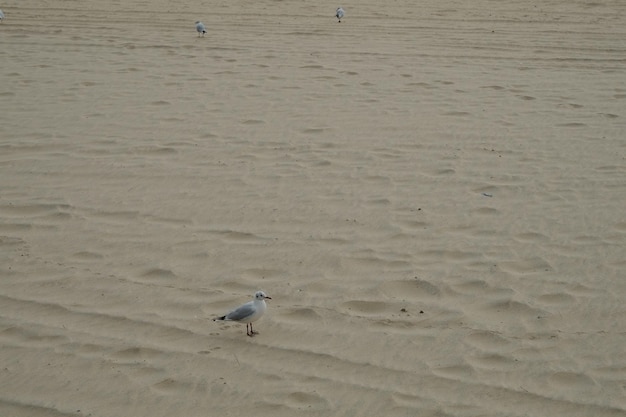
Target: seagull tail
[220, 318]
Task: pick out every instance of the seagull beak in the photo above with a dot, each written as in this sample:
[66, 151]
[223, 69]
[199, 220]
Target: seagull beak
[268, 298]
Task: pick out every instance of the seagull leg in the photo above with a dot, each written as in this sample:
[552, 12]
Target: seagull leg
[250, 333]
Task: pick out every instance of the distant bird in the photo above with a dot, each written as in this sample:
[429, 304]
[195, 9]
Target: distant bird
[248, 312]
[200, 28]
[340, 13]
[1, 15]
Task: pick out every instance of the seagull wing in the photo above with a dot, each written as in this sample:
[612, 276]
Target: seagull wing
[242, 312]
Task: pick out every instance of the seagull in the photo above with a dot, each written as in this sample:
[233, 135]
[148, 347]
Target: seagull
[1, 15]
[248, 312]
[339, 14]
[200, 28]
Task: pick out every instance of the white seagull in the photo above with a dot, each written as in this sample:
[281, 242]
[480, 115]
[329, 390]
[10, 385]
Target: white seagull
[200, 28]
[1, 15]
[339, 14]
[248, 312]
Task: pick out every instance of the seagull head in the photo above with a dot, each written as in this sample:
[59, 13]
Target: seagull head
[260, 295]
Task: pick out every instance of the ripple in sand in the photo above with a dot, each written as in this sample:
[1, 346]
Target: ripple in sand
[556, 299]
[610, 169]
[412, 288]
[305, 400]
[375, 262]
[456, 372]
[526, 266]
[571, 380]
[488, 341]
[472, 287]
[136, 353]
[407, 400]
[615, 373]
[367, 308]
[509, 309]
[493, 87]
[158, 274]
[31, 210]
[15, 227]
[299, 315]
[171, 386]
[315, 130]
[234, 235]
[572, 124]
[451, 255]
[144, 374]
[446, 171]
[11, 241]
[411, 224]
[485, 211]
[492, 361]
[153, 150]
[333, 241]
[25, 337]
[90, 349]
[531, 237]
[252, 122]
[583, 290]
[116, 216]
[458, 114]
[87, 256]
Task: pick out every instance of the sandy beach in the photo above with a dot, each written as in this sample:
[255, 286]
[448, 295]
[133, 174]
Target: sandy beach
[433, 194]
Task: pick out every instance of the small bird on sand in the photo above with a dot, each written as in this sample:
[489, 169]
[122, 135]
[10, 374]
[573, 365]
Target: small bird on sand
[248, 312]
[340, 13]
[200, 28]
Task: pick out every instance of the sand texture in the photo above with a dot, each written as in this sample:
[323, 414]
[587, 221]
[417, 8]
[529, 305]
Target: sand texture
[433, 193]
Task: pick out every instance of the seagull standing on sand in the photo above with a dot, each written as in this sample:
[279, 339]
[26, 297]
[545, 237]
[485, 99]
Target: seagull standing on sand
[200, 28]
[339, 14]
[1, 15]
[248, 312]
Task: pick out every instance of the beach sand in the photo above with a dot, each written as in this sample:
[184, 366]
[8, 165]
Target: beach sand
[432, 194]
